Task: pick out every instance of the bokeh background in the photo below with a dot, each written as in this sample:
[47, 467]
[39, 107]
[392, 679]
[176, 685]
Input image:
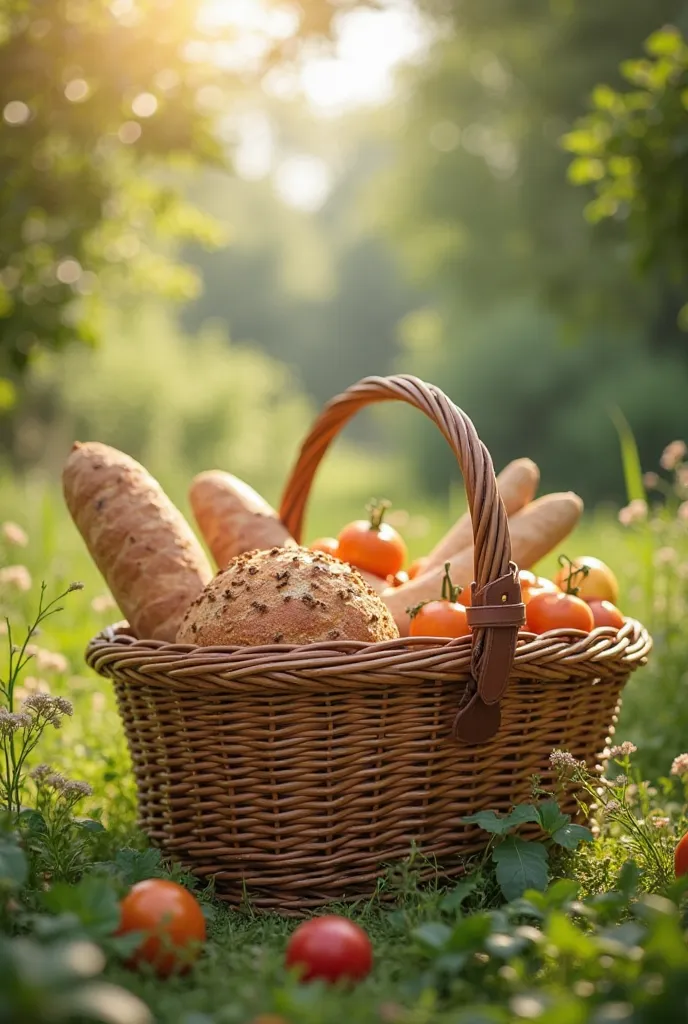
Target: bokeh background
[216, 214]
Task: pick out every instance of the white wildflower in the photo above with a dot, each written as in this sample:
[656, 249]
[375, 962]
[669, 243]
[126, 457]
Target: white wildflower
[14, 534]
[673, 454]
[679, 765]
[17, 576]
[624, 750]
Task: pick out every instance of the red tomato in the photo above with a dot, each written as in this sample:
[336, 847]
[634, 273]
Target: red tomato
[172, 919]
[331, 948]
[532, 584]
[681, 857]
[606, 614]
[330, 545]
[373, 545]
[440, 618]
[547, 611]
[417, 567]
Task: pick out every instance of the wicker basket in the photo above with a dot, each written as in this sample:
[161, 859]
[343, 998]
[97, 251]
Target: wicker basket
[295, 776]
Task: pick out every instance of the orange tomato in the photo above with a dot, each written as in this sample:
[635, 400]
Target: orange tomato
[599, 584]
[372, 545]
[547, 611]
[681, 857]
[172, 920]
[606, 614]
[417, 567]
[532, 584]
[440, 618]
[445, 617]
[330, 546]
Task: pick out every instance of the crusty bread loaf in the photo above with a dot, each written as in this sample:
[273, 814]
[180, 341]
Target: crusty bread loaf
[289, 596]
[142, 545]
[233, 518]
[535, 531]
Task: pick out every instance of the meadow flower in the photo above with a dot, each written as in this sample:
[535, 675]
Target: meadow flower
[51, 709]
[665, 556]
[625, 750]
[103, 603]
[75, 788]
[620, 780]
[673, 454]
[12, 721]
[612, 806]
[14, 534]
[650, 480]
[635, 512]
[660, 822]
[51, 661]
[679, 765]
[41, 772]
[564, 759]
[15, 576]
[683, 511]
[682, 476]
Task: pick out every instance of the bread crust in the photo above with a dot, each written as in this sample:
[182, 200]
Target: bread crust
[233, 518]
[143, 546]
[286, 596]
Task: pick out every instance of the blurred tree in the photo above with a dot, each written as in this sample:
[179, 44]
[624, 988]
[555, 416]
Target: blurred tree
[96, 97]
[478, 198]
[633, 147]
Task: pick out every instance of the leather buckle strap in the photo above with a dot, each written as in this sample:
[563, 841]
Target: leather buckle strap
[496, 613]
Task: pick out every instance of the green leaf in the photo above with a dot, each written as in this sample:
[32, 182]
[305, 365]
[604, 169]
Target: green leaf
[632, 466]
[551, 817]
[8, 394]
[89, 824]
[433, 935]
[629, 877]
[489, 821]
[94, 900]
[13, 866]
[520, 865]
[605, 98]
[570, 836]
[666, 42]
[453, 900]
[583, 170]
[568, 939]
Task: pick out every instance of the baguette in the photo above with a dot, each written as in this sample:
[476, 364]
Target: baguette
[538, 528]
[233, 518]
[142, 545]
[517, 485]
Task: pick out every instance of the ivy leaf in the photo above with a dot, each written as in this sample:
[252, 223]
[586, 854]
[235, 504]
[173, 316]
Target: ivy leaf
[489, 821]
[520, 866]
[551, 817]
[570, 836]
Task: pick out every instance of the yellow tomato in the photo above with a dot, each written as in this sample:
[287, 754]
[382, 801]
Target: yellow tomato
[600, 583]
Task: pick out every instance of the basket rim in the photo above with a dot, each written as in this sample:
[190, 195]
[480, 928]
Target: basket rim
[116, 651]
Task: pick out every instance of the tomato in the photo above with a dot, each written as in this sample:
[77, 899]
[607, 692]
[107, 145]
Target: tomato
[417, 567]
[330, 545]
[599, 583]
[547, 611]
[532, 584]
[440, 618]
[445, 617]
[331, 948]
[373, 545]
[606, 614]
[172, 919]
[681, 857]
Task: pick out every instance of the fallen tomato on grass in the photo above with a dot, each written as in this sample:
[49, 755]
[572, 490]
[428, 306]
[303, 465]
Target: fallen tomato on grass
[172, 922]
[330, 948]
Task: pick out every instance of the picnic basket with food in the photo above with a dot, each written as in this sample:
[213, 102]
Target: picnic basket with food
[293, 728]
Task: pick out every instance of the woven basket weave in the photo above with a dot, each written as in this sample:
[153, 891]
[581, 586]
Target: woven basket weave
[296, 775]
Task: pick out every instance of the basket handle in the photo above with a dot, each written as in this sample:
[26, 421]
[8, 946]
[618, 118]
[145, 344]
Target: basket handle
[497, 611]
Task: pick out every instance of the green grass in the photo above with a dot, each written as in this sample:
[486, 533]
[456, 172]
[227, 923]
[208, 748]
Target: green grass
[242, 973]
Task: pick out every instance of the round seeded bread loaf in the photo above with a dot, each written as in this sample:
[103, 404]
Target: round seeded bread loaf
[286, 596]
